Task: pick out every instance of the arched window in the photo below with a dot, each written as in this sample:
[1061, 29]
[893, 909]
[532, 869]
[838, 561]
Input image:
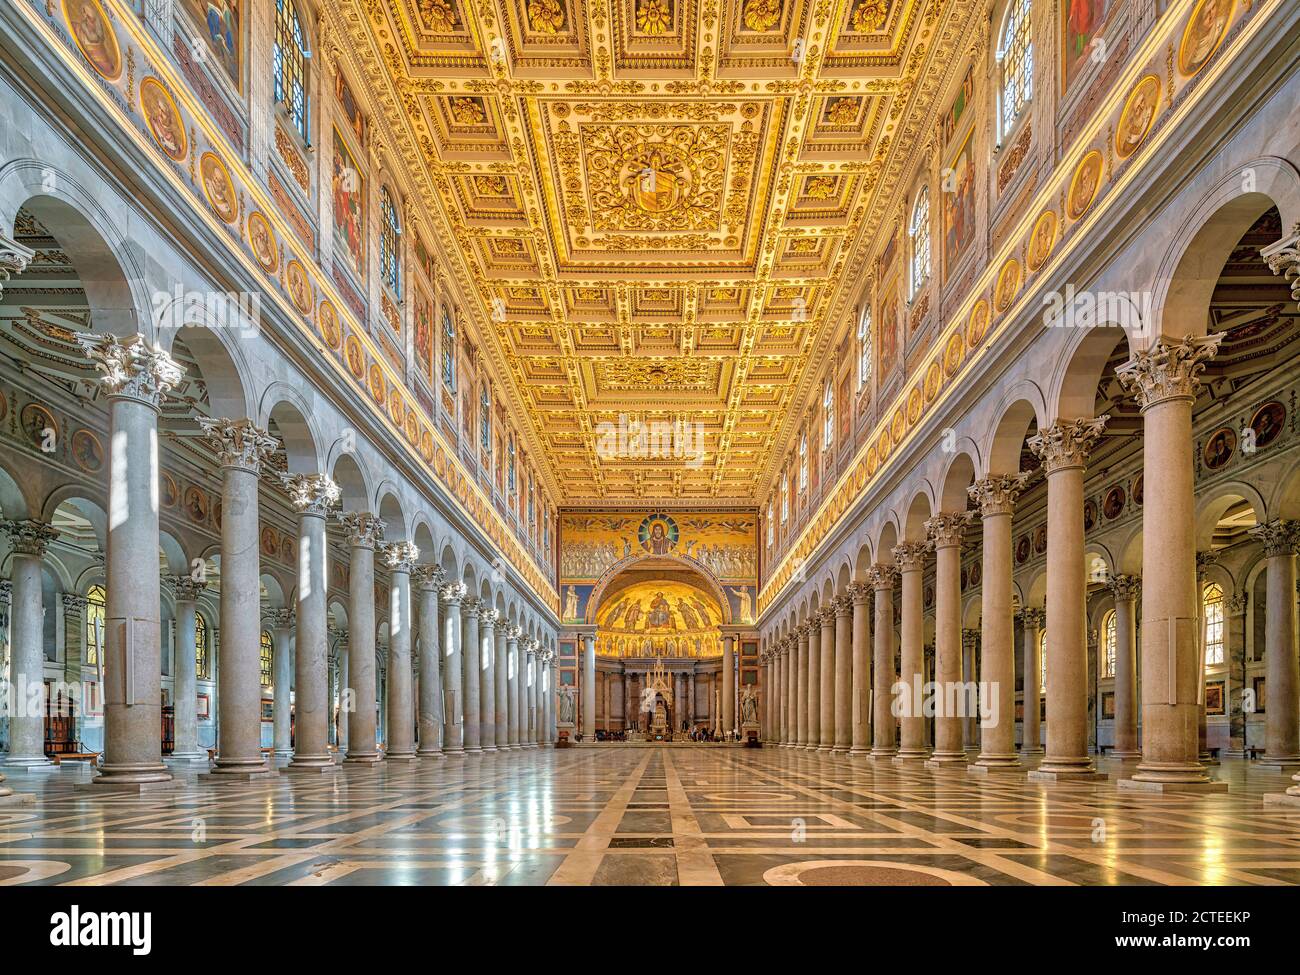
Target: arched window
[448, 349]
[920, 236]
[803, 461]
[1042, 661]
[289, 60]
[828, 414]
[510, 463]
[1108, 644]
[485, 420]
[96, 603]
[268, 657]
[531, 520]
[390, 243]
[864, 346]
[1212, 609]
[771, 529]
[1017, 60]
[202, 670]
[785, 497]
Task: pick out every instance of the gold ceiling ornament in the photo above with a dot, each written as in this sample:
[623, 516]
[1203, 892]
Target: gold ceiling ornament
[842, 111]
[655, 177]
[634, 373]
[762, 15]
[820, 187]
[468, 111]
[437, 16]
[870, 15]
[545, 16]
[654, 16]
[490, 185]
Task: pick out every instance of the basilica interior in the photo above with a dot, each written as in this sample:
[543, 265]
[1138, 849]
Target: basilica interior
[649, 442]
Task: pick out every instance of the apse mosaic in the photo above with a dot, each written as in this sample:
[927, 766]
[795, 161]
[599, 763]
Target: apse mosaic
[724, 543]
[662, 617]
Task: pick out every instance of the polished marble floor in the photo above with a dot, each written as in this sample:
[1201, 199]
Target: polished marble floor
[616, 815]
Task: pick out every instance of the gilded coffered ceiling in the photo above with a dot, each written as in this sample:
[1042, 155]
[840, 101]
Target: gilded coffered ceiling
[663, 206]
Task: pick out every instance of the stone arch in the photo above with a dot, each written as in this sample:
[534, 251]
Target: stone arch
[15, 499]
[1193, 263]
[919, 511]
[958, 476]
[221, 367]
[1212, 506]
[354, 486]
[1073, 394]
[1023, 407]
[291, 414]
[885, 543]
[675, 562]
[390, 511]
[117, 289]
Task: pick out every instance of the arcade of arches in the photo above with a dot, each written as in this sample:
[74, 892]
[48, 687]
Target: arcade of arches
[648, 424]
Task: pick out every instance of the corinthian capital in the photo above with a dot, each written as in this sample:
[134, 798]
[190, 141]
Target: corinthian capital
[1283, 257]
[910, 555]
[1167, 370]
[1067, 443]
[313, 494]
[859, 592]
[240, 444]
[946, 529]
[997, 493]
[1034, 617]
[187, 587]
[364, 529]
[454, 592]
[489, 618]
[29, 536]
[513, 631]
[427, 577]
[280, 619]
[132, 367]
[882, 576]
[1278, 537]
[399, 556]
[472, 605]
[1124, 587]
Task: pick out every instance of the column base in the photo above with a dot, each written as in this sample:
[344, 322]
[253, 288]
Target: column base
[911, 755]
[946, 760]
[1157, 787]
[1067, 773]
[312, 763]
[428, 753]
[825, 748]
[28, 764]
[400, 757]
[365, 758]
[241, 774]
[1032, 750]
[139, 787]
[1285, 764]
[859, 751]
[883, 754]
[133, 776]
[283, 753]
[1171, 773]
[1008, 771]
[186, 760]
[997, 761]
[453, 752]
[1205, 758]
[1125, 756]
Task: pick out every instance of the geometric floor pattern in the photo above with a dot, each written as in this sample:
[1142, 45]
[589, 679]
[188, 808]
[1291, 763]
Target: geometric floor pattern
[703, 815]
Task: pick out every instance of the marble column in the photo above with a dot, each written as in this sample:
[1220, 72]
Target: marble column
[399, 557]
[312, 496]
[729, 684]
[30, 539]
[1125, 589]
[548, 697]
[1164, 379]
[472, 650]
[530, 670]
[996, 496]
[1032, 619]
[364, 531]
[843, 677]
[859, 596]
[186, 749]
[1064, 447]
[946, 532]
[427, 580]
[970, 641]
[346, 695]
[1282, 676]
[690, 699]
[242, 449]
[281, 623]
[453, 720]
[909, 557]
[1203, 561]
[487, 687]
[825, 740]
[588, 687]
[500, 675]
[801, 684]
[814, 689]
[136, 374]
[881, 578]
[513, 684]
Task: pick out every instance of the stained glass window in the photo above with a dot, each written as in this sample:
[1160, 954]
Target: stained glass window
[920, 234]
[268, 657]
[448, 349]
[390, 243]
[201, 668]
[96, 602]
[1212, 605]
[1108, 645]
[1017, 56]
[828, 414]
[289, 61]
[864, 346]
